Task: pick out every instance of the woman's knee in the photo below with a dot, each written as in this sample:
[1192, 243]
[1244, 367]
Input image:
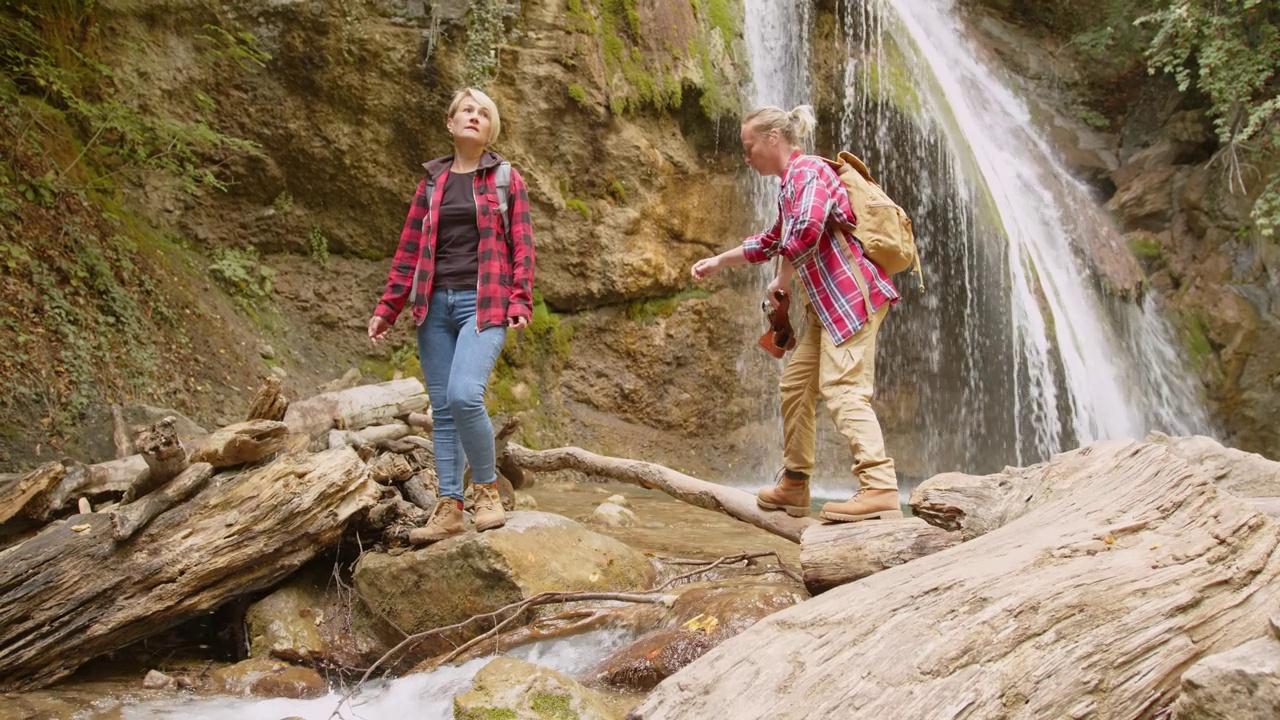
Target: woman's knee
[465, 399]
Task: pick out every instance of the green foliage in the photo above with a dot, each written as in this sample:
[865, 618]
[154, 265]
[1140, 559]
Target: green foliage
[486, 33]
[578, 94]
[242, 274]
[1146, 248]
[580, 206]
[318, 247]
[239, 47]
[46, 56]
[283, 202]
[553, 706]
[1230, 51]
[645, 311]
[538, 355]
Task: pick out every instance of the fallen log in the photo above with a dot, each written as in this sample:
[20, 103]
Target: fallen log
[357, 407]
[240, 444]
[735, 503]
[418, 493]
[19, 491]
[73, 593]
[112, 478]
[839, 553]
[129, 519]
[1090, 605]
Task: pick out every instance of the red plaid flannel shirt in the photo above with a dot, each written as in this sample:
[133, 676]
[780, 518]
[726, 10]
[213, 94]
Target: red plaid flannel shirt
[812, 207]
[505, 284]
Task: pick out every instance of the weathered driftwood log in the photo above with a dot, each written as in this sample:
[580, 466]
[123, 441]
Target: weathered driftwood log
[240, 444]
[164, 455]
[710, 496]
[417, 492]
[129, 519]
[73, 593]
[113, 477]
[269, 403]
[375, 434]
[356, 408]
[421, 421]
[840, 553]
[390, 468]
[1090, 605]
[19, 493]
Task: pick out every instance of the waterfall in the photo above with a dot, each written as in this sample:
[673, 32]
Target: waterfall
[1014, 352]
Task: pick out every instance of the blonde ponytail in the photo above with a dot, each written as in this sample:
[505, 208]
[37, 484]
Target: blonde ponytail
[794, 126]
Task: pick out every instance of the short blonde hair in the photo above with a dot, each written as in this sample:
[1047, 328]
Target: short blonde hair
[794, 126]
[484, 101]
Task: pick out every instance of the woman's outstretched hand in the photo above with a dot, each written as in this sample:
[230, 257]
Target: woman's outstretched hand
[517, 323]
[378, 328]
[705, 267]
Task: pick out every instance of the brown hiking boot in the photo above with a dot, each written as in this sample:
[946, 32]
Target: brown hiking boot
[445, 522]
[866, 504]
[487, 512]
[790, 493]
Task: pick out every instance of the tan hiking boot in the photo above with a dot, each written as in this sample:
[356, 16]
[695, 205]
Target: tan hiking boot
[487, 512]
[445, 522]
[866, 504]
[789, 493]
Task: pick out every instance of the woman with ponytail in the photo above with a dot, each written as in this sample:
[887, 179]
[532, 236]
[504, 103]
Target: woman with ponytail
[847, 297]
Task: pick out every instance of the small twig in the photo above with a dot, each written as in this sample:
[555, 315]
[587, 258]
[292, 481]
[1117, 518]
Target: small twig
[712, 564]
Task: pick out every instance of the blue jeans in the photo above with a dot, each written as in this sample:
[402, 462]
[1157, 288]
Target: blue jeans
[456, 363]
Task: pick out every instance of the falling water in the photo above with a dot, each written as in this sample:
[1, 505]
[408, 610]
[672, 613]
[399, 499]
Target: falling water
[1013, 352]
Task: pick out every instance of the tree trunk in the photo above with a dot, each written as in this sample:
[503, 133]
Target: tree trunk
[357, 408]
[1092, 604]
[72, 592]
[732, 502]
[840, 553]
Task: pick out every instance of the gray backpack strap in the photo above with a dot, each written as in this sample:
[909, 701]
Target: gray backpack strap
[502, 178]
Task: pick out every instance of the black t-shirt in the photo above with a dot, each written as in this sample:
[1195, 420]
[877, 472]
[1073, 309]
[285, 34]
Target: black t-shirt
[458, 235]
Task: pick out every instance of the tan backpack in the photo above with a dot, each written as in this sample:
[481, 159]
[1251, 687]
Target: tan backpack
[883, 228]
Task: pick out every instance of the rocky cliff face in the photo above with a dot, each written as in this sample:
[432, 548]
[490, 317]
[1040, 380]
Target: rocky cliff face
[1157, 168]
[621, 116]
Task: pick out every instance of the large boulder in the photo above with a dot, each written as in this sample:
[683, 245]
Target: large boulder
[477, 573]
[513, 689]
[267, 678]
[307, 622]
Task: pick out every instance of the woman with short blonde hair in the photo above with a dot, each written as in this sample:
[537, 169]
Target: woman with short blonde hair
[465, 267]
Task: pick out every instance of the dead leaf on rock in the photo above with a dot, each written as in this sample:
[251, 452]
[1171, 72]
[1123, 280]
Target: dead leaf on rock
[81, 528]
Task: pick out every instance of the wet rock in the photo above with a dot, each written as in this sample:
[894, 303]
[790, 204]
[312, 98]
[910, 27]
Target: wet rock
[308, 623]
[476, 573]
[267, 678]
[702, 617]
[513, 689]
[1240, 684]
[611, 515]
[619, 500]
[1146, 201]
[157, 680]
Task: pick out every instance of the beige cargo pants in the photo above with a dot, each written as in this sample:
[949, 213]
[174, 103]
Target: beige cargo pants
[844, 377]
